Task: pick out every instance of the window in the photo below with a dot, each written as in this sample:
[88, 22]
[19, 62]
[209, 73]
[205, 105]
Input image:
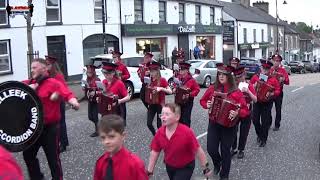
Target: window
[162, 11]
[262, 35]
[244, 35]
[53, 11]
[155, 45]
[5, 60]
[264, 52]
[252, 53]
[243, 53]
[3, 13]
[98, 10]
[198, 14]
[211, 15]
[254, 35]
[181, 12]
[138, 10]
[210, 64]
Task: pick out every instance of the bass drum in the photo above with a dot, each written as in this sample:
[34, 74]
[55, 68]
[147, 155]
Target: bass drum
[21, 112]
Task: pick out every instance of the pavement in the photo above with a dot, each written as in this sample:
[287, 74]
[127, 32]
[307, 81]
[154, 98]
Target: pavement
[290, 154]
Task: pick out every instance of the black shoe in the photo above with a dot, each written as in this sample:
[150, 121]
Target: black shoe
[240, 155]
[216, 170]
[95, 134]
[62, 149]
[233, 152]
[276, 129]
[262, 144]
[258, 140]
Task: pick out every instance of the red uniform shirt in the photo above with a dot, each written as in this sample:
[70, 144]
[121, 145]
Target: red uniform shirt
[51, 109]
[92, 82]
[271, 81]
[191, 83]
[246, 95]
[61, 79]
[180, 149]
[142, 71]
[236, 96]
[163, 83]
[9, 169]
[116, 87]
[123, 70]
[284, 73]
[126, 166]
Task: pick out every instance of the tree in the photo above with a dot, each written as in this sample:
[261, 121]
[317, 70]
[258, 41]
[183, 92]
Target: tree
[303, 27]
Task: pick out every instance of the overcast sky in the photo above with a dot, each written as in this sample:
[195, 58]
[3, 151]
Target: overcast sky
[307, 11]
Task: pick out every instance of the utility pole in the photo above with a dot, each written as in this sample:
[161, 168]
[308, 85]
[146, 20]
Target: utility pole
[104, 27]
[277, 18]
[29, 38]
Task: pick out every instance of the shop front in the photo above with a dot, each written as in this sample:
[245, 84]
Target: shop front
[254, 50]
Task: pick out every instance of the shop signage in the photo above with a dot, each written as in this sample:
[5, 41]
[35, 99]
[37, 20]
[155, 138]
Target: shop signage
[228, 32]
[253, 46]
[168, 29]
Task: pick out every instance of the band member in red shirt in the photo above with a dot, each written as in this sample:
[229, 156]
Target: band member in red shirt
[49, 90]
[162, 87]
[180, 59]
[218, 135]
[250, 96]
[56, 73]
[91, 93]
[179, 144]
[117, 163]
[143, 72]
[187, 81]
[115, 86]
[263, 109]
[234, 62]
[9, 168]
[284, 79]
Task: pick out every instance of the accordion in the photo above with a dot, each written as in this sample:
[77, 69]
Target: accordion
[91, 98]
[182, 95]
[278, 76]
[220, 111]
[105, 105]
[151, 95]
[262, 89]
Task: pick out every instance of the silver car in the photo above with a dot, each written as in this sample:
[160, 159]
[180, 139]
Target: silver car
[204, 71]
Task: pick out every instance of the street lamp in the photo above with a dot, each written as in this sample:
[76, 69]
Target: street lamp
[277, 18]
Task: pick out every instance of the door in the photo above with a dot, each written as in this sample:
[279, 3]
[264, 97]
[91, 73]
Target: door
[227, 54]
[57, 48]
[183, 42]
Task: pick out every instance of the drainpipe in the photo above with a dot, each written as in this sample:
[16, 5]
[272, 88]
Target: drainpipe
[121, 38]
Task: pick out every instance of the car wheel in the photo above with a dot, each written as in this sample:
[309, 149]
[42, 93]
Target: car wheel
[130, 89]
[171, 83]
[207, 81]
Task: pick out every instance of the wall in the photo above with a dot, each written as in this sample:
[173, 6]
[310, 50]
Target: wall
[250, 26]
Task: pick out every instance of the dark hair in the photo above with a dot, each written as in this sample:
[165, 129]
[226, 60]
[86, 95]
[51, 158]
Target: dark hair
[55, 70]
[231, 81]
[173, 107]
[111, 122]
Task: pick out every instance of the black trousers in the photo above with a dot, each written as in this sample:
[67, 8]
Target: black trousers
[186, 110]
[244, 125]
[142, 95]
[261, 117]
[278, 104]
[223, 137]
[63, 126]
[152, 111]
[93, 113]
[184, 173]
[49, 141]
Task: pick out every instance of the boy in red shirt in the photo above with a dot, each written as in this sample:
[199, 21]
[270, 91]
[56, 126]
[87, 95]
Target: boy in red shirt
[179, 144]
[9, 168]
[117, 163]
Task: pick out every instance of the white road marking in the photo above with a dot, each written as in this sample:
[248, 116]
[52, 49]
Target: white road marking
[201, 135]
[313, 84]
[297, 89]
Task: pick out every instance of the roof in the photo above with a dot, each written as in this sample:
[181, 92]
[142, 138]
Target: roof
[206, 2]
[267, 17]
[250, 14]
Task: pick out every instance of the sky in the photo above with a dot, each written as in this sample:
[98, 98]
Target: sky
[296, 10]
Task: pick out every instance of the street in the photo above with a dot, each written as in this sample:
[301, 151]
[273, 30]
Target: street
[291, 153]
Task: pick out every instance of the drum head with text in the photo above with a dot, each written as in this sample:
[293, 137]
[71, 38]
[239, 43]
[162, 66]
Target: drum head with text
[21, 114]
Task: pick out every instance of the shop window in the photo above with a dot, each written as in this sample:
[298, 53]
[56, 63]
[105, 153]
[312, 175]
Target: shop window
[157, 46]
[138, 10]
[162, 11]
[252, 53]
[181, 12]
[53, 11]
[206, 45]
[243, 53]
[264, 52]
[5, 57]
[198, 14]
[3, 13]
[211, 15]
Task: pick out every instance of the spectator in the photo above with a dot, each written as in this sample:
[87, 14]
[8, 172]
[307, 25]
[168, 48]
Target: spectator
[174, 55]
[196, 52]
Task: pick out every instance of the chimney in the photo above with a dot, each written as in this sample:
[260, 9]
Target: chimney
[245, 3]
[264, 6]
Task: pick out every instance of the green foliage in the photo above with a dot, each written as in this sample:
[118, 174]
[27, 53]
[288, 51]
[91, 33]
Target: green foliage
[303, 27]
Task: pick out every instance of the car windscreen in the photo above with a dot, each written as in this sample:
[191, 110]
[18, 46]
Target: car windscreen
[196, 64]
[98, 62]
[249, 61]
[132, 61]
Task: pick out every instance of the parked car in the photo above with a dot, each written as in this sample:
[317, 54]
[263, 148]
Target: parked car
[204, 71]
[252, 66]
[311, 66]
[297, 67]
[133, 84]
[286, 66]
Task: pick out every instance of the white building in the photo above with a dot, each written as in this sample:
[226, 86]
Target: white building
[71, 30]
